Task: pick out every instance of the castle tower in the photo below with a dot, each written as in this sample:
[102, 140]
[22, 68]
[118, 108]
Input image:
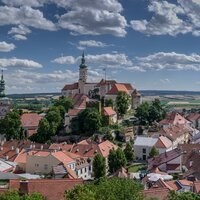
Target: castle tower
[82, 75]
[2, 86]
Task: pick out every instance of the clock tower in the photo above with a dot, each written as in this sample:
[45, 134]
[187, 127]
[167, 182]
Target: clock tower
[4, 101]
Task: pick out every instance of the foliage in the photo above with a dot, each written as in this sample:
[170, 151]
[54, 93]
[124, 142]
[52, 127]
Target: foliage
[116, 160]
[128, 151]
[99, 166]
[109, 103]
[153, 152]
[149, 113]
[107, 189]
[87, 121]
[66, 103]
[10, 195]
[11, 126]
[122, 103]
[183, 196]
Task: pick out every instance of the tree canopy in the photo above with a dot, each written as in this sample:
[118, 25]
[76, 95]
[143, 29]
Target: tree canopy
[107, 189]
[88, 121]
[129, 153]
[99, 166]
[153, 152]
[147, 113]
[183, 196]
[116, 160]
[122, 103]
[11, 126]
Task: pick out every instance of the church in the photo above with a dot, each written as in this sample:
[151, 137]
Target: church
[4, 101]
[107, 89]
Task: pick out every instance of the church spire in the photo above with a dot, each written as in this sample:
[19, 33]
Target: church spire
[2, 85]
[83, 58]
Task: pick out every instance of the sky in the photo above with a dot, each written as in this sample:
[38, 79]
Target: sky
[153, 44]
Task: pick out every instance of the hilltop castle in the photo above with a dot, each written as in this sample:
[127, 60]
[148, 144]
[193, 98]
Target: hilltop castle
[107, 89]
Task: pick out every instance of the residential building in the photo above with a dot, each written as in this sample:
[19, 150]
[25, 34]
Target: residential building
[110, 115]
[194, 118]
[142, 146]
[30, 123]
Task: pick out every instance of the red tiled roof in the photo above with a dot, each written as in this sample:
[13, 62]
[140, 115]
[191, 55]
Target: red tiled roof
[80, 101]
[73, 86]
[52, 189]
[172, 185]
[74, 112]
[173, 118]
[163, 142]
[128, 86]
[118, 88]
[193, 116]
[185, 182]
[163, 158]
[106, 146]
[30, 119]
[158, 193]
[107, 82]
[108, 111]
[61, 146]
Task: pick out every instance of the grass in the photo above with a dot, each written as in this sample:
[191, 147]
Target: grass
[136, 168]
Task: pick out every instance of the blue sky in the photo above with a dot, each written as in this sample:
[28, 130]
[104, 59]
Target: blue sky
[152, 44]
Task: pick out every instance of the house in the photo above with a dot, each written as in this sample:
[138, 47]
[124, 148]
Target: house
[142, 147]
[30, 123]
[42, 162]
[110, 115]
[194, 118]
[174, 118]
[178, 134]
[51, 189]
[169, 162]
[163, 144]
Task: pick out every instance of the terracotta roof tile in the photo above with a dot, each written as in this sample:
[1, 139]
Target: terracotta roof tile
[108, 111]
[193, 116]
[118, 88]
[160, 193]
[73, 86]
[30, 119]
[163, 142]
[105, 147]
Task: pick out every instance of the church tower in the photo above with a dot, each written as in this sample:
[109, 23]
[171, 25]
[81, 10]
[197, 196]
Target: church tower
[4, 101]
[82, 75]
[2, 86]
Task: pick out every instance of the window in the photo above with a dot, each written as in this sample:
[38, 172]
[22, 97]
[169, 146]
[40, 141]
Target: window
[144, 150]
[36, 165]
[144, 157]
[45, 166]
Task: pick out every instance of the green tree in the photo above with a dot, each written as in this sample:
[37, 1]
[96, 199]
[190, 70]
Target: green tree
[122, 103]
[87, 121]
[11, 126]
[107, 189]
[128, 151]
[153, 152]
[34, 196]
[142, 113]
[99, 166]
[67, 103]
[173, 195]
[43, 132]
[116, 160]
[10, 195]
[109, 103]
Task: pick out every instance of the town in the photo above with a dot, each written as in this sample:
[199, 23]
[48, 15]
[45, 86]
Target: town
[100, 131]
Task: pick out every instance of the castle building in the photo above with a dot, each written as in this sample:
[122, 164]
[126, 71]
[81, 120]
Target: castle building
[107, 89]
[4, 101]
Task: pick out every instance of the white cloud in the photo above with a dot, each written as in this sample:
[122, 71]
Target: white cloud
[19, 37]
[65, 60]
[88, 17]
[165, 81]
[165, 20]
[19, 63]
[109, 60]
[90, 43]
[25, 15]
[167, 61]
[21, 29]
[6, 47]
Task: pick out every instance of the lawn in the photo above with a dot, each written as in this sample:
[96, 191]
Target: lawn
[136, 168]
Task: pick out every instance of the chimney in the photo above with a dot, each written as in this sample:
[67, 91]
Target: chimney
[31, 146]
[23, 187]
[41, 147]
[7, 157]
[1, 148]
[12, 148]
[17, 150]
